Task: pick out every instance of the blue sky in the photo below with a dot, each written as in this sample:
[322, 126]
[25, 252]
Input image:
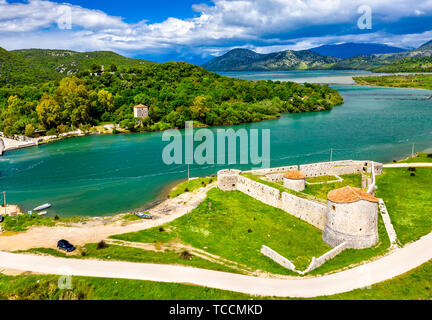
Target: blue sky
[197, 30]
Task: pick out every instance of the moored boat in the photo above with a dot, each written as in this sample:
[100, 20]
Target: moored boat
[42, 207]
[43, 213]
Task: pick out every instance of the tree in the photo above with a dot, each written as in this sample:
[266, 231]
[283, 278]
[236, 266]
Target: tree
[48, 111]
[29, 130]
[199, 108]
[113, 67]
[106, 100]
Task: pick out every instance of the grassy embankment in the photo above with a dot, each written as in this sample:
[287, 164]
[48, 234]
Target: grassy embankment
[419, 158]
[398, 81]
[190, 186]
[24, 221]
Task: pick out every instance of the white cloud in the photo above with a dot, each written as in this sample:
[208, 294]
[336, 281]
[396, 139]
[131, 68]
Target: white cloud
[24, 25]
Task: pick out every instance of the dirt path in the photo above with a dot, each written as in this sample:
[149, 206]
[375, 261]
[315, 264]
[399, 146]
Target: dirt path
[100, 229]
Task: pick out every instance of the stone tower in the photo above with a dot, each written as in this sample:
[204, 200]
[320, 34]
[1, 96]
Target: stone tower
[227, 179]
[295, 180]
[352, 217]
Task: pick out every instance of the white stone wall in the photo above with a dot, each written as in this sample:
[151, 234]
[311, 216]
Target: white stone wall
[312, 212]
[275, 177]
[276, 257]
[354, 223]
[2, 146]
[259, 191]
[339, 168]
[275, 170]
[318, 262]
[296, 185]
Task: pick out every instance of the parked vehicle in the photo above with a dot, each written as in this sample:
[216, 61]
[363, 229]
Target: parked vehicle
[65, 246]
[1, 218]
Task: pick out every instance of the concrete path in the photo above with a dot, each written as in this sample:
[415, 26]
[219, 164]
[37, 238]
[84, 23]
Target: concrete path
[396, 263]
[407, 165]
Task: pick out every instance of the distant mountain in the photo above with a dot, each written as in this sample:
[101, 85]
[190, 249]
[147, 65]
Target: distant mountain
[348, 50]
[35, 65]
[426, 46]
[248, 60]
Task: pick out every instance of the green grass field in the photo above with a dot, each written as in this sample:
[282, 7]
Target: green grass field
[124, 253]
[235, 226]
[421, 157]
[408, 200]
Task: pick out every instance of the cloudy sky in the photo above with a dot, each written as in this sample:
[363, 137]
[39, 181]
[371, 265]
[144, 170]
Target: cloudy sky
[197, 30]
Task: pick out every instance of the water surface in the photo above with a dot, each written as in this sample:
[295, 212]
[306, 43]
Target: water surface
[101, 175]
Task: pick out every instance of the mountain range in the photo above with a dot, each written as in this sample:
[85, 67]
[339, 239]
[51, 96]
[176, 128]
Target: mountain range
[248, 60]
[348, 50]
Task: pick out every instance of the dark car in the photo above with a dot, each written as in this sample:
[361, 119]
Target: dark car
[1, 218]
[65, 246]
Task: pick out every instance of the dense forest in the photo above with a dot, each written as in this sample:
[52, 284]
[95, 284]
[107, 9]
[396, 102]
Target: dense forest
[175, 92]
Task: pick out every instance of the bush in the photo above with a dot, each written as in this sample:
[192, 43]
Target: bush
[413, 174]
[161, 229]
[186, 255]
[429, 155]
[412, 169]
[102, 245]
[56, 217]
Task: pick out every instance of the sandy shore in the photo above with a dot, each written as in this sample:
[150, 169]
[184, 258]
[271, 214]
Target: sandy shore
[98, 229]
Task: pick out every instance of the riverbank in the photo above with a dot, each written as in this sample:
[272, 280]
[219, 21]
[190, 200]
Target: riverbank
[414, 81]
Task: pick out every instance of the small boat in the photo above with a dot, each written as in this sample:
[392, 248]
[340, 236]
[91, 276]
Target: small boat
[42, 207]
[43, 213]
[143, 215]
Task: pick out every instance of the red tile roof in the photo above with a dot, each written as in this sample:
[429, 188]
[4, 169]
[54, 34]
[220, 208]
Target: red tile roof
[350, 195]
[294, 175]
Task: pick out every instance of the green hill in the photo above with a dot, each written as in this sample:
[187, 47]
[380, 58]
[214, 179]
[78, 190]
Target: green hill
[36, 65]
[248, 60]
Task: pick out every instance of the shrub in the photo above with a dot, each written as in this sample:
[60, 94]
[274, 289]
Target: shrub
[429, 155]
[413, 174]
[186, 255]
[412, 169]
[161, 229]
[102, 245]
[249, 230]
[56, 217]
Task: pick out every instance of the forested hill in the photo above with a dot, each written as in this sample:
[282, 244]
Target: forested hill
[38, 65]
[175, 92]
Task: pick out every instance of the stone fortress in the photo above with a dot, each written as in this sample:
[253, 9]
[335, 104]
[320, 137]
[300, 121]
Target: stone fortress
[349, 219]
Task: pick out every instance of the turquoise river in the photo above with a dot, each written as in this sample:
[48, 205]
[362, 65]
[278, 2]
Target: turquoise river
[103, 175]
